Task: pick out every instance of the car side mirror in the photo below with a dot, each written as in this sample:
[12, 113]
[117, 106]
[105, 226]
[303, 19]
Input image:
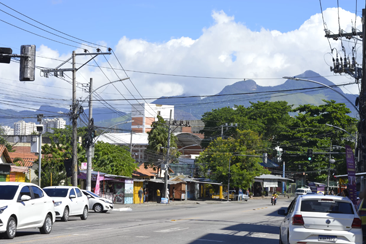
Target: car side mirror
[72, 196]
[281, 212]
[25, 198]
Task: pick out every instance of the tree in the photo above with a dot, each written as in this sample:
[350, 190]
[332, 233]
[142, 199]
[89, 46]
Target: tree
[113, 159]
[308, 130]
[158, 144]
[266, 118]
[214, 161]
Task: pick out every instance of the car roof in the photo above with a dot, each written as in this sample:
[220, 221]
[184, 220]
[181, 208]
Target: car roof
[316, 196]
[17, 183]
[51, 187]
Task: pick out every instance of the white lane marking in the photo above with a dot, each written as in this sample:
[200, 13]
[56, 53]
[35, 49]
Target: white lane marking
[209, 240]
[171, 230]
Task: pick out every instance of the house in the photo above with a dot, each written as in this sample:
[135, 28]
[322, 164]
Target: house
[9, 171]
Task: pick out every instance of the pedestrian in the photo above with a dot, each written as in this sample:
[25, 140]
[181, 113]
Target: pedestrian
[158, 196]
[140, 193]
[345, 193]
[146, 195]
[173, 192]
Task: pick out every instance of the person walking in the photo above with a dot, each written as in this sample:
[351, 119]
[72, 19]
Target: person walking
[146, 195]
[140, 193]
[158, 196]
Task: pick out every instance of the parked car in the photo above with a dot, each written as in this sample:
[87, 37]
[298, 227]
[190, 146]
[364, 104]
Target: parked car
[232, 194]
[302, 191]
[244, 197]
[24, 205]
[97, 203]
[320, 219]
[68, 201]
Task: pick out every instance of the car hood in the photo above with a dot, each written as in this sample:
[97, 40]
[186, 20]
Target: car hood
[5, 202]
[106, 200]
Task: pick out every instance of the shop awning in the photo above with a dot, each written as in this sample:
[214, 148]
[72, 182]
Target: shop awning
[263, 178]
[345, 176]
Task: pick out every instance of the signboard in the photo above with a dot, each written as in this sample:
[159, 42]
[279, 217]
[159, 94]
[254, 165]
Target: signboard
[351, 170]
[5, 169]
[268, 183]
[84, 166]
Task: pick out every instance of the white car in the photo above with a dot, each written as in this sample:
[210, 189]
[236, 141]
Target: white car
[24, 205]
[302, 191]
[97, 203]
[69, 201]
[320, 219]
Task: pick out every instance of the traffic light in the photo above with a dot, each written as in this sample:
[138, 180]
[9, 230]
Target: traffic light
[310, 154]
[27, 63]
[5, 59]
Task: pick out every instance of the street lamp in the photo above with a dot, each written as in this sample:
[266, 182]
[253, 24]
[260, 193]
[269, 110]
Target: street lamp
[319, 83]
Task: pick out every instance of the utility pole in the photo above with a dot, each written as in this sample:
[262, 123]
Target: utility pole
[76, 110]
[167, 159]
[39, 120]
[91, 144]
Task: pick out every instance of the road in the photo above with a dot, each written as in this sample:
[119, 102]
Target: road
[255, 221]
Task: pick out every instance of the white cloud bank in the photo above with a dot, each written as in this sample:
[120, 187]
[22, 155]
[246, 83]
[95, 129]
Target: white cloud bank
[225, 49]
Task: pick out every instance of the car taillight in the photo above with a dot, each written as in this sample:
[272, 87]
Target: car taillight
[297, 220]
[357, 223]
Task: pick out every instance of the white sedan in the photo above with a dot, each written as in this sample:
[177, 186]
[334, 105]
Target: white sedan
[97, 203]
[24, 205]
[320, 219]
[68, 201]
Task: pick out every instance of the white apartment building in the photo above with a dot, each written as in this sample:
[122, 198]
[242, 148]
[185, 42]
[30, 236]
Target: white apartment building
[50, 124]
[7, 130]
[23, 128]
[144, 114]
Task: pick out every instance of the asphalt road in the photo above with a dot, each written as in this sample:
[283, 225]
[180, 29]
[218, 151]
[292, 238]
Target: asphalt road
[255, 221]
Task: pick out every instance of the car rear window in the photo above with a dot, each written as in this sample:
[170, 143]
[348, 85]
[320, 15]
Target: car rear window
[56, 192]
[326, 206]
[7, 192]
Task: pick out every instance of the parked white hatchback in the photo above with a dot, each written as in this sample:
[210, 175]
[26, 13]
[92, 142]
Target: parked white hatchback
[320, 219]
[97, 203]
[24, 205]
[68, 201]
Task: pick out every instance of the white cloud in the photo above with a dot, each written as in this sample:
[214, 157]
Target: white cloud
[225, 49]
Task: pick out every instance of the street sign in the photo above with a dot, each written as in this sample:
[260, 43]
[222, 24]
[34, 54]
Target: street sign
[5, 59]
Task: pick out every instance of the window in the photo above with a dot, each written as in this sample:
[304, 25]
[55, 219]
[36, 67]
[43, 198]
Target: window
[38, 193]
[8, 192]
[78, 192]
[25, 191]
[56, 192]
[326, 206]
[72, 192]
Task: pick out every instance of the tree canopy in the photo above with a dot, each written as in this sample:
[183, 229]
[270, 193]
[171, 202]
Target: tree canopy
[243, 151]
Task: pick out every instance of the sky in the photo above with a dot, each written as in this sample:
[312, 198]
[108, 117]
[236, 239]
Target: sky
[170, 48]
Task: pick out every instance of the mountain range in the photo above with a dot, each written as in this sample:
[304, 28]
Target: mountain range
[193, 107]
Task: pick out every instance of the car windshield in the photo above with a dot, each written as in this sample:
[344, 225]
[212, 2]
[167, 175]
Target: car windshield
[300, 191]
[8, 192]
[326, 206]
[91, 193]
[56, 192]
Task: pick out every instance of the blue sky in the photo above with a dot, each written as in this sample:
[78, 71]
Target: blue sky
[231, 39]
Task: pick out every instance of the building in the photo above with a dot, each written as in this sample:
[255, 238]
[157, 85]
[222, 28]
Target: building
[50, 124]
[7, 130]
[144, 114]
[24, 128]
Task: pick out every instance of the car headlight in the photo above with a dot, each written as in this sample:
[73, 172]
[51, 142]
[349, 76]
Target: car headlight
[3, 208]
[57, 203]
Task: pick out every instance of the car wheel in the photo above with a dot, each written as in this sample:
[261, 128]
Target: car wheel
[47, 225]
[84, 216]
[98, 208]
[65, 217]
[11, 228]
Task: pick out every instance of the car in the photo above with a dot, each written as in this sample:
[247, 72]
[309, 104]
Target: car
[24, 205]
[68, 201]
[302, 191]
[320, 219]
[244, 197]
[97, 203]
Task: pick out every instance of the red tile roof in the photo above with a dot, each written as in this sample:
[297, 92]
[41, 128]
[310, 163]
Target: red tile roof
[4, 152]
[25, 154]
[142, 171]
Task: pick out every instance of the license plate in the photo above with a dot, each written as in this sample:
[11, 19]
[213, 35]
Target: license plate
[327, 238]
